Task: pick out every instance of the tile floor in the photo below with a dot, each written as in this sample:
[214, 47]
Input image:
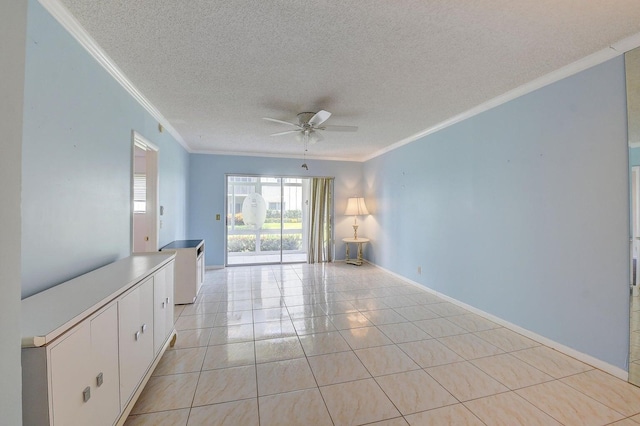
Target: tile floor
[337, 344]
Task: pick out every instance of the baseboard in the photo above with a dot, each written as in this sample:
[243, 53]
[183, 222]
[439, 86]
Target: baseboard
[587, 359]
[211, 267]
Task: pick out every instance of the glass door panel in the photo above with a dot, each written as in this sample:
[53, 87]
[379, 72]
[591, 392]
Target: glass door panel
[293, 223]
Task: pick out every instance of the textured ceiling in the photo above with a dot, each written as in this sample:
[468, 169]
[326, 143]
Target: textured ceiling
[215, 68]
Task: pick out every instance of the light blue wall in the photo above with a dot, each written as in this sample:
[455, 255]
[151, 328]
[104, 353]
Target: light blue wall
[77, 161]
[521, 211]
[207, 192]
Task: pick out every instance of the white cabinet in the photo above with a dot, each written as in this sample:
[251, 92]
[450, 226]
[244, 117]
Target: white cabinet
[70, 373]
[90, 344]
[105, 376]
[200, 268]
[163, 306]
[135, 326]
[84, 373]
[189, 269]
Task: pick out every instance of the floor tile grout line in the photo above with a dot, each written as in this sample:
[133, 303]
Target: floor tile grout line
[315, 379]
[561, 380]
[506, 352]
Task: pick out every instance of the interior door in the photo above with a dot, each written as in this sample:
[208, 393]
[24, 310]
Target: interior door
[144, 192]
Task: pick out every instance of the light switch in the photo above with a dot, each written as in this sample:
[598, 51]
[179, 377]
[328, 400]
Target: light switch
[218, 217]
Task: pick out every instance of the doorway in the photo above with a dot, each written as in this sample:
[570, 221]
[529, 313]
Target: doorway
[144, 196]
[266, 219]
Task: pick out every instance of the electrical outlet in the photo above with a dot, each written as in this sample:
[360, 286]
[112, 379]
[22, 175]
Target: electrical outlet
[218, 217]
[419, 270]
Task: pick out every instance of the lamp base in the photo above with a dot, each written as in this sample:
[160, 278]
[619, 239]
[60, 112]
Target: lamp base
[355, 232]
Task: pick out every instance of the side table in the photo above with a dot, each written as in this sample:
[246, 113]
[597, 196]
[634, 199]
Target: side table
[359, 241]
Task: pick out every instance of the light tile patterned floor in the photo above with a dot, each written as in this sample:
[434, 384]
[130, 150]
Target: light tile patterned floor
[337, 344]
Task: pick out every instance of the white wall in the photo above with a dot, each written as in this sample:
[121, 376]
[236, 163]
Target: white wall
[13, 24]
[521, 212]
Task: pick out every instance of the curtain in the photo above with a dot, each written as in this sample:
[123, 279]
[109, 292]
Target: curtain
[320, 210]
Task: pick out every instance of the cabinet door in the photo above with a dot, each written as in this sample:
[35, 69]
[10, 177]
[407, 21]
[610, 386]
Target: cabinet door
[200, 273]
[104, 374]
[163, 306]
[170, 277]
[70, 377]
[135, 327]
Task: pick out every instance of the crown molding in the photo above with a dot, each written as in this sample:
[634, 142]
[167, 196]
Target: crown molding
[616, 49]
[279, 155]
[73, 26]
[61, 14]
[627, 44]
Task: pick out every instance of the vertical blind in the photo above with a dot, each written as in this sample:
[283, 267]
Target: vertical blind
[139, 193]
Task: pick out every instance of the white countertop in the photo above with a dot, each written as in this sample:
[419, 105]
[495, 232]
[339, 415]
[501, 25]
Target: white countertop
[48, 314]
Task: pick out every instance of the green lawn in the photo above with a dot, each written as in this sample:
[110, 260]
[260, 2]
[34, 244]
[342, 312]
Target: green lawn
[272, 226]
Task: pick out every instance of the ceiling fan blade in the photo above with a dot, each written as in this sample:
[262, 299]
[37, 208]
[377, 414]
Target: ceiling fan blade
[319, 118]
[281, 122]
[340, 128]
[284, 133]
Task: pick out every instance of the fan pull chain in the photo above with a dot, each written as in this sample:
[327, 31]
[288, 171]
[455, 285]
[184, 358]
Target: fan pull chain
[304, 154]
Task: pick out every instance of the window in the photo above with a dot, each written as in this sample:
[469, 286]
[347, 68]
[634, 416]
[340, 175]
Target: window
[139, 193]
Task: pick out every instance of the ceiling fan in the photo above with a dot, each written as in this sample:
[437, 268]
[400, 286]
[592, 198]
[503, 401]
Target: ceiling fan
[308, 126]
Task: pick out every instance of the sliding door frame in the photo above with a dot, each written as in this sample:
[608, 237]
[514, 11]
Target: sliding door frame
[305, 213]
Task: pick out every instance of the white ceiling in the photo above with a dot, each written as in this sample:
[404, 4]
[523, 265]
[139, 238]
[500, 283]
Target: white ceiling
[394, 69]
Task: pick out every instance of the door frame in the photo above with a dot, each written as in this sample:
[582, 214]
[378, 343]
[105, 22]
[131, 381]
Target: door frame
[152, 181]
[226, 210]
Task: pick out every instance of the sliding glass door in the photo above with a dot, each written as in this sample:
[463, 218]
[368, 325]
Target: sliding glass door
[266, 220]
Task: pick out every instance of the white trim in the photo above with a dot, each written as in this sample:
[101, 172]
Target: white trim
[61, 14]
[627, 44]
[582, 64]
[588, 359]
[144, 143]
[268, 155]
[153, 192]
[71, 24]
[212, 267]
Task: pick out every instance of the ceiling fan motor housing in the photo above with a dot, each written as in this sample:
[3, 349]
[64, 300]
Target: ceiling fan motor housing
[304, 117]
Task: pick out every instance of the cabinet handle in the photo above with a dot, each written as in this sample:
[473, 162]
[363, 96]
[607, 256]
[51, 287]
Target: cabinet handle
[144, 328]
[137, 335]
[86, 394]
[164, 305]
[167, 300]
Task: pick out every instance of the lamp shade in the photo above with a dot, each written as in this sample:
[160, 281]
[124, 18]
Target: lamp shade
[356, 207]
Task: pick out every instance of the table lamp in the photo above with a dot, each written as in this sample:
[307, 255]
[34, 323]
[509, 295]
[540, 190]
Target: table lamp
[355, 208]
